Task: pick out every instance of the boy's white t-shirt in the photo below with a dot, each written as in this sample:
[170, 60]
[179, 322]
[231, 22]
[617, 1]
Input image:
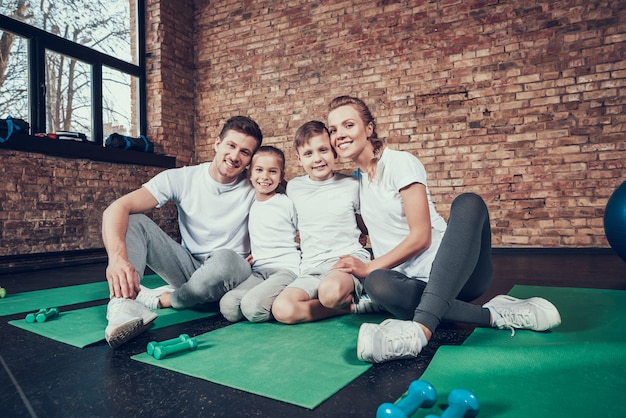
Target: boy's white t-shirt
[273, 228]
[326, 217]
[383, 212]
[211, 215]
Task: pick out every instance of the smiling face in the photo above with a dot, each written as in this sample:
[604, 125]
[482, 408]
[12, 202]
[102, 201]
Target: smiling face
[317, 157]
[232, 155]
[265, 175]
[348, 133]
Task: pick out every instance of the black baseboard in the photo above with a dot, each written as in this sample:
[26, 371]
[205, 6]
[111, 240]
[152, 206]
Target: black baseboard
[42, 261]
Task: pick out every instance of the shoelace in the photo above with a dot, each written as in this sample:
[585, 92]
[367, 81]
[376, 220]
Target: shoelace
[512, 320]
[402, 344]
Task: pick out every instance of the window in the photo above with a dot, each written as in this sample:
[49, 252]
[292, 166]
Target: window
[74, 65]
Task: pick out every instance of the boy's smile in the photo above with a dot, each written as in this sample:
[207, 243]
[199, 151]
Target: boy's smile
[317, 158]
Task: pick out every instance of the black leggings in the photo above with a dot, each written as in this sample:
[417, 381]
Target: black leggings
[461, 272]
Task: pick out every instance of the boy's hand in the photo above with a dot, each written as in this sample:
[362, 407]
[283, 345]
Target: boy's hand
[352, 265]
[250, 259]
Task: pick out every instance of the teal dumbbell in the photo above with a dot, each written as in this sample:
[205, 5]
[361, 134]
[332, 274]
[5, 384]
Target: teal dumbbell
[42, 315]
[162, 351]
[153, 344]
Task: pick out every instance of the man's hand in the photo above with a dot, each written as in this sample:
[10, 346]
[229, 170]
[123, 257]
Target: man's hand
[123, 279]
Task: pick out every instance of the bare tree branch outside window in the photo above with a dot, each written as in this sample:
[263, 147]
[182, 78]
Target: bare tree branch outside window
[105, 26]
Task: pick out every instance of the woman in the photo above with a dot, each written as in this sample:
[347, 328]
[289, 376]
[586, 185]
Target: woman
[423, 270]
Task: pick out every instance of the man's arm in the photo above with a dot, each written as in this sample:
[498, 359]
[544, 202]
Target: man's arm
[120, 273]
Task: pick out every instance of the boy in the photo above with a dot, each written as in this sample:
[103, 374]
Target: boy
[327, 204]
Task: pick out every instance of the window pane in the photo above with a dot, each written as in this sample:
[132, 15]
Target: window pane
[68, 94]
[13, 76]
[119, 103]
[108, 26]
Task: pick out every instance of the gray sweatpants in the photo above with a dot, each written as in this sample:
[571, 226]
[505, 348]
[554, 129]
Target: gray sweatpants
[196, 280]
[461, 272]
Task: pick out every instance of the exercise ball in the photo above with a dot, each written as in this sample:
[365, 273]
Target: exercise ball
[615, 221]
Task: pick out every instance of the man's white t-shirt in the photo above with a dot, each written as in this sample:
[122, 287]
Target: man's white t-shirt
[211, 215]
[273, 229]
[383, 212]
[326, 217]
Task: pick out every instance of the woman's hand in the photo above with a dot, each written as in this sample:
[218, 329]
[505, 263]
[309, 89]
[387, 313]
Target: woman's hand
[352, 265]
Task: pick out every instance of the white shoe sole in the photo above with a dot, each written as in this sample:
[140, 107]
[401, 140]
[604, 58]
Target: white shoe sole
[127, 331]
[365, 329]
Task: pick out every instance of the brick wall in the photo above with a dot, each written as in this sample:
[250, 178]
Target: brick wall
[523, 102]
[51, 204]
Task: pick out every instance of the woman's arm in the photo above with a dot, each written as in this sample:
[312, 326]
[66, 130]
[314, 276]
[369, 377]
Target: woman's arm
[415, 203]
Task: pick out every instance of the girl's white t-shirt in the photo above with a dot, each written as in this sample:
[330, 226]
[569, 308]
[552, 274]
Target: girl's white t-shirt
[273, 229]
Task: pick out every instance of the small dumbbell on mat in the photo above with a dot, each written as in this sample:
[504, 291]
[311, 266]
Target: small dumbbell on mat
[3, 292]
[162, 351]
[42, 315]
[152, 344]
[461, 404]
[421, 395]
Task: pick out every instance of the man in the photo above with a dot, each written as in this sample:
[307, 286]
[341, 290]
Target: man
[213, 200]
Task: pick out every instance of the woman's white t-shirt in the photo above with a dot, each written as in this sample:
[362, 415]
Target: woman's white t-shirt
[383, 212]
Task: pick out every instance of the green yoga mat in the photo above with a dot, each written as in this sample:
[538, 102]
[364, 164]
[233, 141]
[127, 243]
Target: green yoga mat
[63, 296]
[302, 364]
[82, 327]
[552, 381]
[576, 370]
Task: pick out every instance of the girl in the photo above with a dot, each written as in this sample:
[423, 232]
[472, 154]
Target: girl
[275, 257]
[423, 270]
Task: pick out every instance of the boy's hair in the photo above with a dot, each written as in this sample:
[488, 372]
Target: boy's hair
[244, 125]
[308, 131]
[268, 149]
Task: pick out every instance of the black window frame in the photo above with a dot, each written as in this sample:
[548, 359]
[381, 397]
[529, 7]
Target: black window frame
[38, 42]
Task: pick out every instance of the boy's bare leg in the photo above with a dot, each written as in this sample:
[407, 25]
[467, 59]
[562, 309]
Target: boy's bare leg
[336, 290]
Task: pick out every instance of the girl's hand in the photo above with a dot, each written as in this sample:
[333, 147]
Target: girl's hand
[250, 259]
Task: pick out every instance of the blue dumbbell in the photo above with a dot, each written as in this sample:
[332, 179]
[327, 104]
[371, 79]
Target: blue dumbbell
[421, 395]
[461, 404]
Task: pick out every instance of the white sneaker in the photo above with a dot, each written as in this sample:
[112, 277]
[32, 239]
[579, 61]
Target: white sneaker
[365, 305]
[536, 314]
[150, 297]
[127, 319]
[392, 339]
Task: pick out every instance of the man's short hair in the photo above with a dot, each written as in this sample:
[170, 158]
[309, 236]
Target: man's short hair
[244, 125]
